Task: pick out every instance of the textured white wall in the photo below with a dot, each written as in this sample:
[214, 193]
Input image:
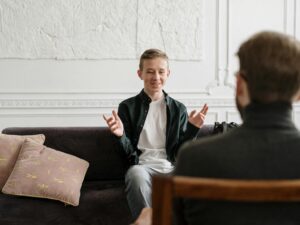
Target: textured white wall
[100, 29]
[66, 62]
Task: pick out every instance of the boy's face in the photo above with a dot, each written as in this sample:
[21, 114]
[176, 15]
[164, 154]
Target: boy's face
[154, 74]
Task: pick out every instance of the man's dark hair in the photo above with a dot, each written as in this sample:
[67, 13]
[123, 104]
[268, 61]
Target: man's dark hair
[152, 54]
[270, 64]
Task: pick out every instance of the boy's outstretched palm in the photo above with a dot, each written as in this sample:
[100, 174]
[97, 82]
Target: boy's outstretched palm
[197, 118]
[114, 124]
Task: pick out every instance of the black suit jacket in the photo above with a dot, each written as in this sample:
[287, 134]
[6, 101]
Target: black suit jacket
[266, 146]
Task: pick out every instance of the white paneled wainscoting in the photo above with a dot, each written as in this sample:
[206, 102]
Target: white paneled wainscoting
[86, 109]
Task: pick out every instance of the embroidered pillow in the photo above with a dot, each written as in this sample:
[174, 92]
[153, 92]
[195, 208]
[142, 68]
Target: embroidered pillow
[10, 146]
[44, 172]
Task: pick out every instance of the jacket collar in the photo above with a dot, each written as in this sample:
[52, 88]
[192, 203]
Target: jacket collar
[146, 99]
[275, 114]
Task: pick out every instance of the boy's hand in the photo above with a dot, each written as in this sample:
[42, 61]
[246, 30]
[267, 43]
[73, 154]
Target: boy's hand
[115, 124]
[197, 118]
[145, 217]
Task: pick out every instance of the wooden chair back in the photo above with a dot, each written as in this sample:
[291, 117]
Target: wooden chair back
[166, 188]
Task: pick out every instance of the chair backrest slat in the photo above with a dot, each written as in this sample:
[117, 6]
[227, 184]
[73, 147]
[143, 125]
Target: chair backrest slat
[165, 188]
[237, 190]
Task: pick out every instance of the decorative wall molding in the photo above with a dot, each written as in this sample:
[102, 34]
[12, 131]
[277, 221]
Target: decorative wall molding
[223, 35]
[232, 116]
[38, 114]
[297, 19]
[58, 103]
[214, 116]
[99, 103]
[87, 112]
[290, 17]
[90, 100]
[221, 61]
[223, 38]
[118, 92]
[225, 67]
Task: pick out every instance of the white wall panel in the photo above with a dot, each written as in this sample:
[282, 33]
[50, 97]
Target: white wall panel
[247, 17]
[297, 19]
[290, 17]
[78, 61]
[233, 115]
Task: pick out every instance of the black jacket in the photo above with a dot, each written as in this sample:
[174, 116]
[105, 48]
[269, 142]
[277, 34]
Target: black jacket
[133, 113]
[266, 146]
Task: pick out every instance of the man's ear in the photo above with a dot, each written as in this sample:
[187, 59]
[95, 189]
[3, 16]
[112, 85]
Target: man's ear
[239, 85]
[242, 90]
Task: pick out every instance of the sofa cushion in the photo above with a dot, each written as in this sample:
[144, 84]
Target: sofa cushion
[46, 173]
[93, 144]
[10, 146]
[101, 203]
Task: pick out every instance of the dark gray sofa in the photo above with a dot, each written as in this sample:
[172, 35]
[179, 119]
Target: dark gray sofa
[102, 200]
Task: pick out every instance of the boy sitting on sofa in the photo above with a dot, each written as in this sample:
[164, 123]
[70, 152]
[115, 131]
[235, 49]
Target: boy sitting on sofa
[150, 127]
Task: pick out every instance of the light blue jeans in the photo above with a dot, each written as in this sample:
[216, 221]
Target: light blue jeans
[138, 187]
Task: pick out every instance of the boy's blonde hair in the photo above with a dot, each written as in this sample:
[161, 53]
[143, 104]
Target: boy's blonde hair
[152, 53]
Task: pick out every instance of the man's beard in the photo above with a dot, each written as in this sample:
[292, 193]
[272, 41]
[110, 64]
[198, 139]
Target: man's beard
[239, 107]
